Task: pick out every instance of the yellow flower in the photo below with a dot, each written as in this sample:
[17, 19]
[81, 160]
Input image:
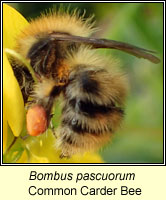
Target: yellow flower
[13, 108]
[4, 127]
[40, 149]
[13, 23]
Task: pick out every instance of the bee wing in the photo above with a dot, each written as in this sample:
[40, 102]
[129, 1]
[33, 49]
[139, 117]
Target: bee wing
[110, 44]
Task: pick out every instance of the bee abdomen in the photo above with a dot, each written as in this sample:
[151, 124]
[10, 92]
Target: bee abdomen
[90, 109]
[79, 128]
[89, 118]
[93, 106]
[85, 129]
[71, 142]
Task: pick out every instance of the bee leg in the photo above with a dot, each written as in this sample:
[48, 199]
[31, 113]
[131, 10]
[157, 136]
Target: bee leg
[64, 156]
[54, 133]
[52, 128]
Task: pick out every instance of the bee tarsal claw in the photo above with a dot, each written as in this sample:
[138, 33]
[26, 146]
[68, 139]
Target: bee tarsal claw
[64, 156]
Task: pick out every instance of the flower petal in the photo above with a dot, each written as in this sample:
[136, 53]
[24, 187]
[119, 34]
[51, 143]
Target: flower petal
[38, 159]
[43, 146]
[13, 23]
[23, 158]
[12, 98]
[4, 127]
[88, 157]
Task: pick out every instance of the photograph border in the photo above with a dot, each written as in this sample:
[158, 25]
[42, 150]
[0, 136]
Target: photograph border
[83, 164]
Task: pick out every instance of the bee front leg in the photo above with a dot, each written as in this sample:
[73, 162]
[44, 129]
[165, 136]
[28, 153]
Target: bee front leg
[62, 155]
[52, 128]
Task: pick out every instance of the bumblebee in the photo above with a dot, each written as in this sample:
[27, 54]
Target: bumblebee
[63, 56]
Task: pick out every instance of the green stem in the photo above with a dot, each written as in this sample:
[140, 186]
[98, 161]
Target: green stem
[10, 146]
[23, 60]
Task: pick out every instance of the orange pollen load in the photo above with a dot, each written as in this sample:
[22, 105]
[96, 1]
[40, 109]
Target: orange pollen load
[36, 120]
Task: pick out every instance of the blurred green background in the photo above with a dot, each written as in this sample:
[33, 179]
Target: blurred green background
[140, 139]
